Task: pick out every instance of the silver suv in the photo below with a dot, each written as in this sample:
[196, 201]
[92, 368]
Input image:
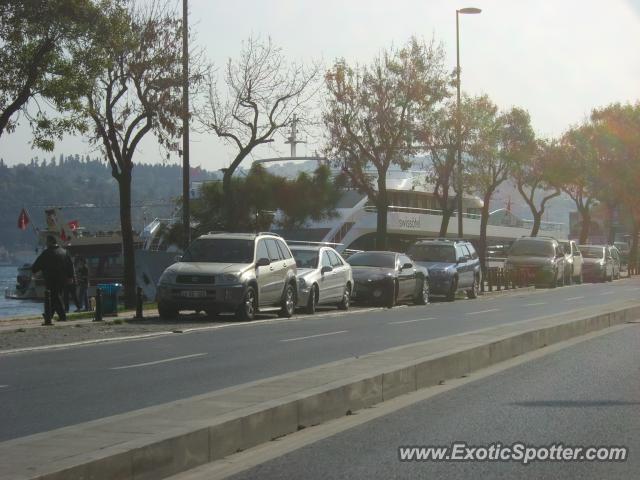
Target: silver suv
[245, 273]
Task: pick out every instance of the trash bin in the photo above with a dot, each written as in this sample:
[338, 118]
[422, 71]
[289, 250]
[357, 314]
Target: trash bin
[109, 297]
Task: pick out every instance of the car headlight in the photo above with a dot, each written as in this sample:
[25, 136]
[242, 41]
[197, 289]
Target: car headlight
[167, 277]
[302, 283]
[226, 278]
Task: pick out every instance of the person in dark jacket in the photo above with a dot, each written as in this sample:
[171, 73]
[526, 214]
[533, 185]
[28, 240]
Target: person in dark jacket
[57, 269]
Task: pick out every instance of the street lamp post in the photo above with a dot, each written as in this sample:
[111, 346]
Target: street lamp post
[470, 10]
[186, 217]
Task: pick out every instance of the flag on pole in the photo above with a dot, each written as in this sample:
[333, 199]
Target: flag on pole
[73, 225]
[23, 220]
[63, 235]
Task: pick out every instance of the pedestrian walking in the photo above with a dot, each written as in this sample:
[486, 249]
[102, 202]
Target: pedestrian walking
[57, 268]
[83, 284]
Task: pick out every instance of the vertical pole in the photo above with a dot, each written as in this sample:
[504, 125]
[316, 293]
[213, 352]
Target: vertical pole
[186, 218]
[98, 313]
[48, 314]
[139, 303]
[459, 129]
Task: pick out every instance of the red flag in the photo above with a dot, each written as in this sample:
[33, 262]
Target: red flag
[63, 236]
[23, 220]
[73, 225]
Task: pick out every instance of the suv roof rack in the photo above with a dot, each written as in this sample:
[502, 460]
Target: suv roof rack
[305, 242]
[216, 232]
[443, 239]
[269, 233]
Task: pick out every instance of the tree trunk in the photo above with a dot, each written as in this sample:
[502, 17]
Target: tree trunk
[633, 251]
[611, 234]
[482, 242]
[124, 184]
[537, 220]
[227, 202]
[382, 207]
[585, 215]
[444, 225]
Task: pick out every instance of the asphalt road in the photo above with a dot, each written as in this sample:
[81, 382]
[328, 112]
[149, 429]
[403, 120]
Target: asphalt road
[584, 395]
[40, 391]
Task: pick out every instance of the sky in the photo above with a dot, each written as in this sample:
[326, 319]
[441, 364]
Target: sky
[558, 59]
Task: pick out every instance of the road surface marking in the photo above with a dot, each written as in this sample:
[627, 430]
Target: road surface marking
[483, 311]
[608, 293]
[412, 321]
[574, 298]
[313, 336]
[535, 304]
[174, 359]
[632, 289]
[4, 386]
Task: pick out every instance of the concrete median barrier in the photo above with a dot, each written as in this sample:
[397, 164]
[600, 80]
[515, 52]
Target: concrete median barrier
[160, 441]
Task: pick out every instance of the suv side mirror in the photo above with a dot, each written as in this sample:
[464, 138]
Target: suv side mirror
[326, 269]
[263, 262]
[462, 259]
[407, 266]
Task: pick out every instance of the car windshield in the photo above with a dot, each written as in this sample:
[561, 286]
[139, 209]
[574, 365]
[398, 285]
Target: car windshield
[433, 253]
[373, 259]
[592, 252]
[532, 248]
[305, 258]
[566, 247]
[219, 250]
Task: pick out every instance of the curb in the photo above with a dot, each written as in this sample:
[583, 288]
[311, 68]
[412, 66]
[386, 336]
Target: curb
[512, 291]
[161, 441]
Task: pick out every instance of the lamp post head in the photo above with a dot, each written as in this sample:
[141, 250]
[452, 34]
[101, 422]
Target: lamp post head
[469, 10]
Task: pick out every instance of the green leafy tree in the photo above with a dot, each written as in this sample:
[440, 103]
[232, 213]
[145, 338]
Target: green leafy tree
[617, 141]
[263, 200]
[576, 170]
[498, 142]
[137, 91]
[44, 60]
[371, 116]
[535, 181]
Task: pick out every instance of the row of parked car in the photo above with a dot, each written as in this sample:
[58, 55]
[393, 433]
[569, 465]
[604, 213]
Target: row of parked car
[250, 273]
[545, 261]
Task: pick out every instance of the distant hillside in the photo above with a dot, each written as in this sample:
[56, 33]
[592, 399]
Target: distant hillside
[86, 191]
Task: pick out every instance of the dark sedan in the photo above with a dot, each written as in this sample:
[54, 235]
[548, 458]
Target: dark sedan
[388, 278]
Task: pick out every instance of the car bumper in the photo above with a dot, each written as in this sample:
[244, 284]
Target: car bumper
[593, 273]
[201, 297]
[531, 275]
[368, 292]
[439, 285]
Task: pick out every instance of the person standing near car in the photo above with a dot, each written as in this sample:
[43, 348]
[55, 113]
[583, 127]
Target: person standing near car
[57, 269]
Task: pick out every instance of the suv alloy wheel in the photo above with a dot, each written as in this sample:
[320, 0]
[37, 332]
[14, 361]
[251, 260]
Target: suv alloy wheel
[247, 309]
[288, 302]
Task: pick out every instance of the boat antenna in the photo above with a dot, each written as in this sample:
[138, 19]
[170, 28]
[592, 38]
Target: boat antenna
[293, 136]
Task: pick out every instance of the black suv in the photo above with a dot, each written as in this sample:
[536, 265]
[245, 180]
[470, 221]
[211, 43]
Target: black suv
[453, 266]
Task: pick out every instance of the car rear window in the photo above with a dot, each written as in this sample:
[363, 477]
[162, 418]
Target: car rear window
[219, 250]
[373, 259]
[305, 258]
[532, 248]
[433, 253]
[592, 252]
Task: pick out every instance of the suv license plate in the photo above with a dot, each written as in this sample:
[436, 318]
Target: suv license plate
[194, 293]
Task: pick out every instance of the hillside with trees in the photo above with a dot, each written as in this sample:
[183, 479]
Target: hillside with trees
[85, 190]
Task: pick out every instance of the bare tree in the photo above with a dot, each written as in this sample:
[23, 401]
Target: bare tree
[137, 92]
[263, 92]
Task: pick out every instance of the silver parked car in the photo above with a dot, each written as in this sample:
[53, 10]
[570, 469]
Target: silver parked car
[245, 273]
[572, 261]
[324, 277]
